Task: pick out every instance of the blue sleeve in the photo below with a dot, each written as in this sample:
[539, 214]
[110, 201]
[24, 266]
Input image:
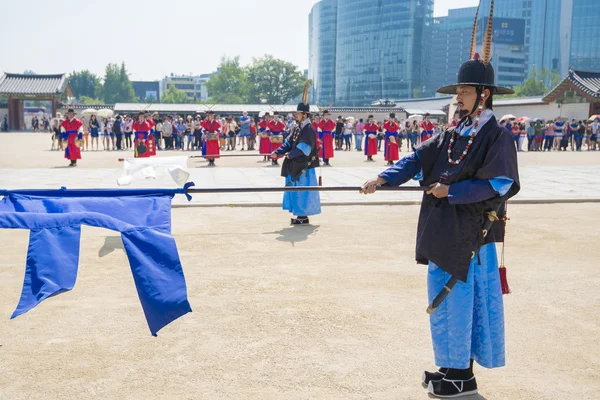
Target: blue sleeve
[403, 171]
[284, 148]
[476, 190]
[302, 149]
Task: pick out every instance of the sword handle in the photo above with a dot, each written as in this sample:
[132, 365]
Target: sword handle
[442, 295]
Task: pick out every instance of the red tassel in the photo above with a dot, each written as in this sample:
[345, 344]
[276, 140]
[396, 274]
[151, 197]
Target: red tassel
[320, 180]
[503, 280]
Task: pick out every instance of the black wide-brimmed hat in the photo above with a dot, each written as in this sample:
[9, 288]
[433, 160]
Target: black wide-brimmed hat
[303, 106]
[478, 71]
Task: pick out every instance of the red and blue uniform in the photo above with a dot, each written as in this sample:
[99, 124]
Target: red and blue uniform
[212, 129]
[264, 147]
[277, 130]
[390, 151]
[427, 132]
[371, 128]
[326, 126]
[71, 134]
[142, 133]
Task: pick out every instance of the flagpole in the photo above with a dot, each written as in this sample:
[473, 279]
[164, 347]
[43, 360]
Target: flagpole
[219, 156]
[306, 189]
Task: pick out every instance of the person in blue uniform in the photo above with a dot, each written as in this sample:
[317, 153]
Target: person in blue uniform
[301, 158]
[470, 169]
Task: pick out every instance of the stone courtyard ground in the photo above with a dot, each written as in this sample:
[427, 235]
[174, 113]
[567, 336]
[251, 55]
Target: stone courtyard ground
[334, 310]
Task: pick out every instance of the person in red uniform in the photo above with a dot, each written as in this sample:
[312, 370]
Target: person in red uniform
[455, 121]
[315, 123]
[72, 136]
[141, 130]
[264, 147]
[276, 127]
[326, 128]
[390, 150]
[152, 134]
[211, 128]
[427, 128]
[371, 129]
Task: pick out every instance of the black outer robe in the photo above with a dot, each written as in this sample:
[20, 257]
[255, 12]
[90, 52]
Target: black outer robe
[299, 161]
[448, 234]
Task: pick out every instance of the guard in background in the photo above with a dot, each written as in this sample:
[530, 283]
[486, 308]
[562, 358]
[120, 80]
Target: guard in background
[326, 128]
[391, 129]
[277, 128]
[301, 158]
[72, 137]
[141, 132]
[211, 129]
[371, 129]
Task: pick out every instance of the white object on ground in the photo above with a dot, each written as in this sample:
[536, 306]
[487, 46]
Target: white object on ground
[146, 168]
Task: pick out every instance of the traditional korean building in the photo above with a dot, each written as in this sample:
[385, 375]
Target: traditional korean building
[20, 87]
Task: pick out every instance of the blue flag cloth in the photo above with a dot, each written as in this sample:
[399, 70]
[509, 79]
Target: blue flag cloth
[142, 216]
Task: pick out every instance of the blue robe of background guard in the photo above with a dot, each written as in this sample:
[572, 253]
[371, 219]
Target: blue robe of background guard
[298, 170]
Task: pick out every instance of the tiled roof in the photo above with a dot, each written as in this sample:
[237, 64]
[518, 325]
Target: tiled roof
[589, 82]
[19, 84]
[586, 83]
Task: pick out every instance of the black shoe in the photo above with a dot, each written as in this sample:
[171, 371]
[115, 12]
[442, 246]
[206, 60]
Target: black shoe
[434, 376]
[299, 221]
[446, 388]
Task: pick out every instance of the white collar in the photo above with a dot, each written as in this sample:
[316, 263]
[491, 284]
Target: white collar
[464, 127]
[306, 122]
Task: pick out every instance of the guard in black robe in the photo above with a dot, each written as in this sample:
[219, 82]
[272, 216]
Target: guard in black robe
[301, 158]
[472, 171]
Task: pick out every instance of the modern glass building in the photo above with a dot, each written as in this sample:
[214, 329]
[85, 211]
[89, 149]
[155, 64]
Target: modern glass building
[451, 43]
[381, 50]
[585, 35]
[449, 46]
[322, 32]
[558, 33]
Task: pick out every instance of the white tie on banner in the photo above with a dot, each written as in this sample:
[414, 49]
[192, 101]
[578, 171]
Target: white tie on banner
[146, 168]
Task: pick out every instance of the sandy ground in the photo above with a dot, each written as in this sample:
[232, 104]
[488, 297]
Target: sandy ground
[335, 310]
[12, 155]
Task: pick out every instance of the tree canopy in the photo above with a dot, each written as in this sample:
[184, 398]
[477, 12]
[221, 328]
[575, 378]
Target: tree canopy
[537, 83]
[174, 96]
[266, 80]
[117, 87]
[229, 84]
[83, 83]
[274, 81]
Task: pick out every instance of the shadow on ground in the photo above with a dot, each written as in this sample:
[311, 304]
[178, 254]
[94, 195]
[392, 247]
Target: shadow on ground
[111, 243]
[295, 234]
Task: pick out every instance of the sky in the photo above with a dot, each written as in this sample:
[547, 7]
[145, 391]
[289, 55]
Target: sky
[155, 37]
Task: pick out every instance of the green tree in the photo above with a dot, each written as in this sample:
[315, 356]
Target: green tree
[90, 100]
[126, 93]
[229, 85]
[274, 81]
[533, 86]
[117, 87]
[110, 88]
[174, 96]
[83, 83]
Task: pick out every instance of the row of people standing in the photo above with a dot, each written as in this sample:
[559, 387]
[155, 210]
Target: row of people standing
[373, 134]
[557, 135]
